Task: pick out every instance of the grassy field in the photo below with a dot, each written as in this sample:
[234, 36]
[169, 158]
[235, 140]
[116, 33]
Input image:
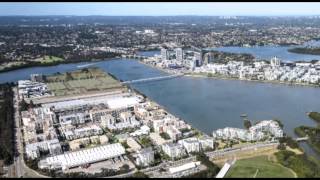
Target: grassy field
[48, 59]
[81, 81]
[259, 167]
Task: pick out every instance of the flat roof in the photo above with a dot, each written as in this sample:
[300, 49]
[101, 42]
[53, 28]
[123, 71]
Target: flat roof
[224, 170]
[114, 102]
[184, 167]
[91, 155]
[122, 102]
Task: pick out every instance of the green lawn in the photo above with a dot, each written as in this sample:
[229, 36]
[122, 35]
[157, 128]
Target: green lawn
[259, 166]
[49, 59]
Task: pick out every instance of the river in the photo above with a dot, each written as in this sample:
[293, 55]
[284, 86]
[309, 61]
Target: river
[267, 52]
[208, 104]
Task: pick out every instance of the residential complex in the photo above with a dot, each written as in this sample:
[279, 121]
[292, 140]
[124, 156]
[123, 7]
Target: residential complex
[263, 129]
[75, 131]
[202, 62]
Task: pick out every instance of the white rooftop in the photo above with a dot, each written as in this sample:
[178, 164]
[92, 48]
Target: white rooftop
[112, 102]
[184, 167]
[224, 170]
[77, 158]
[122, 102]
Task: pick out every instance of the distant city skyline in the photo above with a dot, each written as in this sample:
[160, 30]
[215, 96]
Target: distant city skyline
[160, 9]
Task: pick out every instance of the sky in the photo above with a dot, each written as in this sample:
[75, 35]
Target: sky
[159, 9]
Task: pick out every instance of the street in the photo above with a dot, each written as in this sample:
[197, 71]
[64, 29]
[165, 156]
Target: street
[19, 168]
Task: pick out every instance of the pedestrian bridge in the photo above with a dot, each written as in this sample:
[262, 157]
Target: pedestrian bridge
[152, 79]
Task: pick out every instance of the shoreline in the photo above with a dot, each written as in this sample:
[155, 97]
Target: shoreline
[304, 51]
[230, 78]
[155, 67]
[37, 64]
[256, 81]
[161, 106]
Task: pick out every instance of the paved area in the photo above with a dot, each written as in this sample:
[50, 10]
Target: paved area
[19, 168]
[97, 167]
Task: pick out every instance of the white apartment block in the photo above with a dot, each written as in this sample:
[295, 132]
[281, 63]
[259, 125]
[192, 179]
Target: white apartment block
[144, 157]
[33, 150]
[256, 132]
[173, 150]
[190, 144]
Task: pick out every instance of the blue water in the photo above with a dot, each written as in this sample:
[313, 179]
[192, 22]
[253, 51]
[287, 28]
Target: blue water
[267, 52]
[208, 104]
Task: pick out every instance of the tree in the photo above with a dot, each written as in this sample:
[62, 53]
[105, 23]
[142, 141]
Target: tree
[279, 122]
[125, 168]
[139, 174]
[281, 146]
[23, 105]
[68, 76]
[290, 142]
[146, 141]
[212, 170]
[165, 135]
[247, 124]
[31, 104]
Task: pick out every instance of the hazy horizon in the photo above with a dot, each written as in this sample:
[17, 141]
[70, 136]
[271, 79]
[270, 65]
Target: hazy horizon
[159, 9]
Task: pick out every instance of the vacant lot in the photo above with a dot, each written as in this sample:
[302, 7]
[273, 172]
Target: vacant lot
[259, 167]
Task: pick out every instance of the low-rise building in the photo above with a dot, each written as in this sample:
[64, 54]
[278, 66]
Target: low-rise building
[144, 157]
[144, 130]
[81, 157]
[191, 145]
[157, 139]
[257, 132]
[206, 143]
[134, 146]
[32, 89]
[51, 146]
[126, 120]
[72, 133]
[75, 144]
[184, 167]
[173, 150]
[173, 132]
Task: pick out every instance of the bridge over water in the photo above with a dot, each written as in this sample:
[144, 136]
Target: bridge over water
[152, 79]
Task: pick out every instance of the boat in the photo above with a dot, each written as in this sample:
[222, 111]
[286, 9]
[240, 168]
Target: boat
[243, 115]
[86, 65]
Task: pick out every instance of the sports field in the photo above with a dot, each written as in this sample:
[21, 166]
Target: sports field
[81, 81]
[259, 167]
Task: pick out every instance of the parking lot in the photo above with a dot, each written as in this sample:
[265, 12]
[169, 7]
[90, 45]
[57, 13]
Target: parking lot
[114, 163]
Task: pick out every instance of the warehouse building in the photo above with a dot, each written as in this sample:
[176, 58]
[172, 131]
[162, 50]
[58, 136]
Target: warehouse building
[86, 156]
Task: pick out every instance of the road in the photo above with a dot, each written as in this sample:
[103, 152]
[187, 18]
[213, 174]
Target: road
[19, 168]
[167, 164]
[222, 152]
